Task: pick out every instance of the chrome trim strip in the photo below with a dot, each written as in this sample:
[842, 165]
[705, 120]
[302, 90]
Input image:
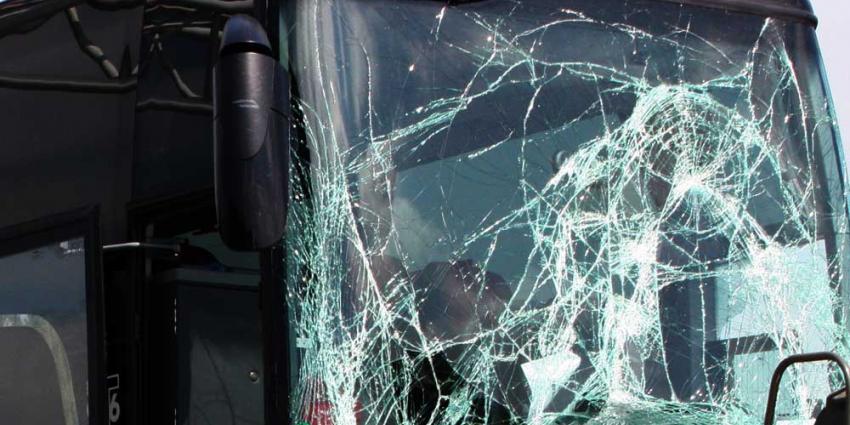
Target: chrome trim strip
[133, 245]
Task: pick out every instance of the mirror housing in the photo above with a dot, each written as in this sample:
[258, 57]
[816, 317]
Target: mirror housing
[251, 138]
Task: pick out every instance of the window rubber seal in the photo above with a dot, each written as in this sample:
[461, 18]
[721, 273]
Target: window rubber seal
[757, 7]
[766, 8]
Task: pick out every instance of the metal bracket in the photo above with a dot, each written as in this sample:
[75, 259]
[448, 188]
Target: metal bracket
[175, 248]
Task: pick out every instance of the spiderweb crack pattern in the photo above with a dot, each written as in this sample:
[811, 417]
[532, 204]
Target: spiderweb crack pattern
[708, 189]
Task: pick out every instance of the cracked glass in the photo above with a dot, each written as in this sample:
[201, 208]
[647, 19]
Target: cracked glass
[560, 212]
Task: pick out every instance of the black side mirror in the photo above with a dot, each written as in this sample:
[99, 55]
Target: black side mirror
[251, 110]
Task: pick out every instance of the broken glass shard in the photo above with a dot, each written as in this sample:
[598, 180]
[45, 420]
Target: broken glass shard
[604, 212]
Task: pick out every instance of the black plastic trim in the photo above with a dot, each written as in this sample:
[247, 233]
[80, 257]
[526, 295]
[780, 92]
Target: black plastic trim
[275, 328]
[766, 8]
[16, 15]
[57, 84]
[756, 7]
[175, 105]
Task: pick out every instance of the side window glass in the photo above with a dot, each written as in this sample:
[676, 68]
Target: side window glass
[46, 285]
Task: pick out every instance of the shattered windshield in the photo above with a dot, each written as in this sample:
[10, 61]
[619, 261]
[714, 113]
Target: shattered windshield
[584, 211]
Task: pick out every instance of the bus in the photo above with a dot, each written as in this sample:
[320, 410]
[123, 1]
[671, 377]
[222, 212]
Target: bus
[352, 212]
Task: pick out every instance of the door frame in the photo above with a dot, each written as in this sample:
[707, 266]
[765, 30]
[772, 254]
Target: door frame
[199, 205]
